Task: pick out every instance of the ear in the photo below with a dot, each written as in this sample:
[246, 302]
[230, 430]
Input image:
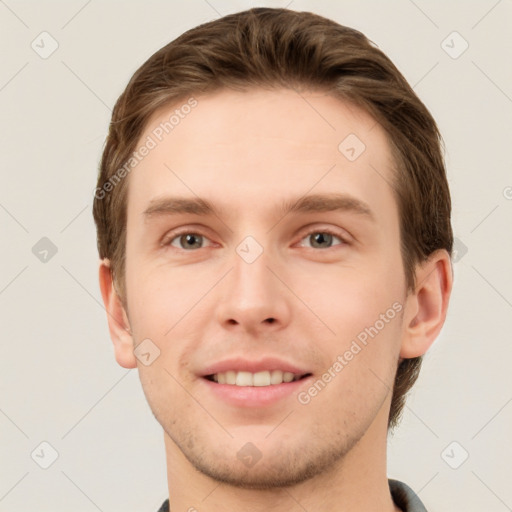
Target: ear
[118, 323]
[427, 306]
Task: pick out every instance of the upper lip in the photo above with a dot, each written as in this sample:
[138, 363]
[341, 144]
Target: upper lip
[253, 366]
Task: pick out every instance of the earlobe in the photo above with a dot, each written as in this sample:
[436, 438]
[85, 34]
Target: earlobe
[118, 322]
[427, 306]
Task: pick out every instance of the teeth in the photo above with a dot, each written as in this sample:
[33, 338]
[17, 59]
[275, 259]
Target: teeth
[276, 377]
[243, 379]
[288, 377]
[261, 379]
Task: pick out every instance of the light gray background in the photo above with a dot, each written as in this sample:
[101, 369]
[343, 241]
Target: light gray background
[59, 381]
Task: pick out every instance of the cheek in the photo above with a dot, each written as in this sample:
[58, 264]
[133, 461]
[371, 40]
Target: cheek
[149, 310]
[349, 298]
[165, 302]
[360, 320]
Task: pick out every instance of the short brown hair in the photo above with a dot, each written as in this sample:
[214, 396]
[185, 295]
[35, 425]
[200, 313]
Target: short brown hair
[265, 47]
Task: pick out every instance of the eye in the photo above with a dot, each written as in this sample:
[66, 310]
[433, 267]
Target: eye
[322, 239]
[187, 241]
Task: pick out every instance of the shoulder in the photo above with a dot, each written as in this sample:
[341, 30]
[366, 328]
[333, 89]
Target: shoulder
[404, 497]
[402, 494]
[165, 506]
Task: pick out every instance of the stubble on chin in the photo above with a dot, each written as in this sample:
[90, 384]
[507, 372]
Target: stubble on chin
[280, 467]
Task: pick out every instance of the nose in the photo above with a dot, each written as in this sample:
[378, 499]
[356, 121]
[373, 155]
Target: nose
[253, 297]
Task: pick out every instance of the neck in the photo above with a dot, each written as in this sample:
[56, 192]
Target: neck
[356, 483]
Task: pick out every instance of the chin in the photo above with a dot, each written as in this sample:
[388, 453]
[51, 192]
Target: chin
[272, 468]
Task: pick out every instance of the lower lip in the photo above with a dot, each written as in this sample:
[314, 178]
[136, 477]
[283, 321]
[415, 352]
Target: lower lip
[255, 396]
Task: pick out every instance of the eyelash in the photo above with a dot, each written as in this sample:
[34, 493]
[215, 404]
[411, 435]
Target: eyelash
[168, 240]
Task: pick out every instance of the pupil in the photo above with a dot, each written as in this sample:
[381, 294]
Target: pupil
[190, 240]
[322, 238]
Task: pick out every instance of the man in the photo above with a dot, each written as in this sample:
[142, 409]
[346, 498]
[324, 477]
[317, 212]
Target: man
[274, 231]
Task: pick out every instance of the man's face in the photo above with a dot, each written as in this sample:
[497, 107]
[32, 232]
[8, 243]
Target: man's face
[256, 288]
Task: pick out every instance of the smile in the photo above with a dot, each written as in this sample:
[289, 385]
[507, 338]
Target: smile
[258, 379]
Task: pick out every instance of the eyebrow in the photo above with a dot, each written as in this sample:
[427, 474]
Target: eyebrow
[165, 206]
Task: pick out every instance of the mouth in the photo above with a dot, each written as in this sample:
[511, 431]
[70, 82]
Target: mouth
[257, 379]
[254, 384]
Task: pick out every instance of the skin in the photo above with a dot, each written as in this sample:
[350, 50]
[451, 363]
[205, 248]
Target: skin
[246, 152]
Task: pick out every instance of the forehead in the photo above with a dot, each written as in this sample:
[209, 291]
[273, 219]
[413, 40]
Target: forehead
[241, 148]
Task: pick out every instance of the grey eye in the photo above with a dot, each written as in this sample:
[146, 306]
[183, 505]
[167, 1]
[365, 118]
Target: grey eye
[321, 239]
[188, 241]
